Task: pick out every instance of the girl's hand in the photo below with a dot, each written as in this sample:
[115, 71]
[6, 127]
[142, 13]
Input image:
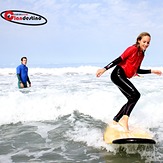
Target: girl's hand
[100, 72]
[158, 72]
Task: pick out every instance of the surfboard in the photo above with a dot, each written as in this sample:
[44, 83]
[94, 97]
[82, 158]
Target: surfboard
[114, 134]
[134, 141]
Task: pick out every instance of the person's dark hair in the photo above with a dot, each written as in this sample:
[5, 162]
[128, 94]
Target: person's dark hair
[140, 37]
[23, 58]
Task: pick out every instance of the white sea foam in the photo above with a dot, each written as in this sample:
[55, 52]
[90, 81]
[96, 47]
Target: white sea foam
[57, 92]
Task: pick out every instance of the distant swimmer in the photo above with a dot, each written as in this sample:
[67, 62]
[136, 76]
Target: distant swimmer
[127, 66]
[22, 74]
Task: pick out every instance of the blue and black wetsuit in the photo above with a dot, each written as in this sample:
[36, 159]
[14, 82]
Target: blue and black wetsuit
[22, 75]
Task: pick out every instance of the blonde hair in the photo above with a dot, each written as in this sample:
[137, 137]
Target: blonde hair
[140, 37]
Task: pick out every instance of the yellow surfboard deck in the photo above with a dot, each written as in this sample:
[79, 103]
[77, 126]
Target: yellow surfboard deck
[114, 132]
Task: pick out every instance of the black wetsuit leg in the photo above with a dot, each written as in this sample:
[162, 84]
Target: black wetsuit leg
[128, 89]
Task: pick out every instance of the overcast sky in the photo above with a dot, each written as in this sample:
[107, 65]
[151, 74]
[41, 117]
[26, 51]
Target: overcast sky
[81, 31]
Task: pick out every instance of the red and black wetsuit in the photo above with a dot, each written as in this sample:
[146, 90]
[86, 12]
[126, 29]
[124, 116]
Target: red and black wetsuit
[128, 65]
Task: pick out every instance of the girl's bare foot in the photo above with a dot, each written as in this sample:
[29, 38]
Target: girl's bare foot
[124, 123]
[114, 122]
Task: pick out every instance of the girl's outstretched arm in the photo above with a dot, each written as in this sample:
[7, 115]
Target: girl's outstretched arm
[110, 65]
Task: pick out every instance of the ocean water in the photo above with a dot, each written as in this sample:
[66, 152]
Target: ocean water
[62, 117]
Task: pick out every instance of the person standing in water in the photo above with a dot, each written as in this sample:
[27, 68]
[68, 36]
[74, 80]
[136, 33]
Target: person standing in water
[127, 66]
[22, 74]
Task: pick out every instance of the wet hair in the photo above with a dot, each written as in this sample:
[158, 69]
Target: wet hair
[23, 58]
[140, 37]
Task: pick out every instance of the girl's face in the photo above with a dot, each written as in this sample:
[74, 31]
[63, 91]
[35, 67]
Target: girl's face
[144, 42]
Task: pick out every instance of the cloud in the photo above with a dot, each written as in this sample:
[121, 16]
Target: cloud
[83, 26]
[66, 15]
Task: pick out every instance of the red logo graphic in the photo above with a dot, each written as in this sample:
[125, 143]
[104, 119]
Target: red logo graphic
[23, 17]
[9, 15]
